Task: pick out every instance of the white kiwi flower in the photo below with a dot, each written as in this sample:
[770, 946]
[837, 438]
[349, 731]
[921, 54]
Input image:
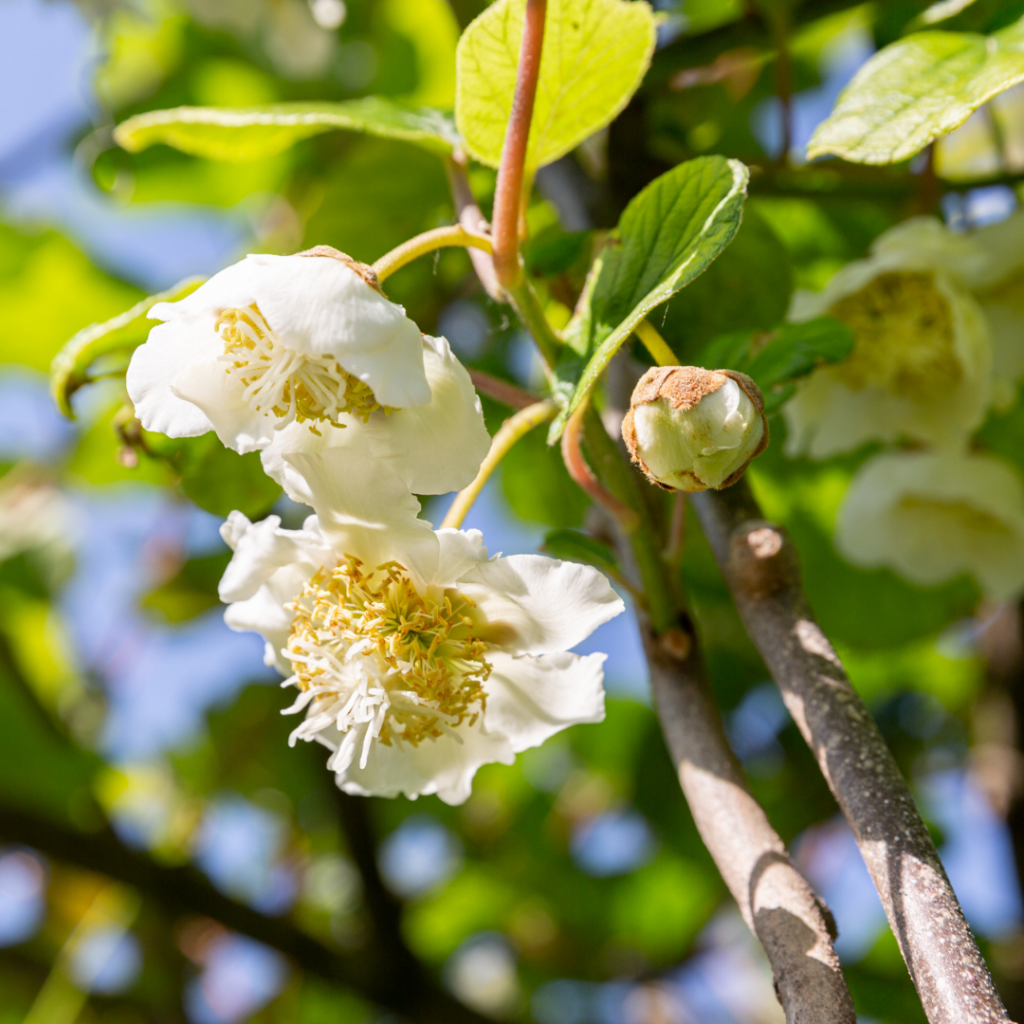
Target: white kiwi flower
[281, 354]
[933, 516]
[921, 366]
[418, 658]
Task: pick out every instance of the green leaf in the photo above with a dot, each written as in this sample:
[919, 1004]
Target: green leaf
[755, 271]
[917, 89]
[220, 480]
[785, 355]
[245, 133]
[117, 337]
[537, 485]
[595, 55]
[668, 235]
[573, 546]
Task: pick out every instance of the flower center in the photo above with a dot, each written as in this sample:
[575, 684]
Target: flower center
[277, 381]
[904, 330]
[367, 648]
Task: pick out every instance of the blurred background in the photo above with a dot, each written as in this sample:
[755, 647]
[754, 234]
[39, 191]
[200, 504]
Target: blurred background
[164, 856]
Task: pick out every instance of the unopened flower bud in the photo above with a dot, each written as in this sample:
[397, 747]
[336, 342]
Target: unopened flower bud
[689, 428]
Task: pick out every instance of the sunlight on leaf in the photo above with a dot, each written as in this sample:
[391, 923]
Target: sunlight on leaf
[245, 133]
[916, 90]
[595, 55]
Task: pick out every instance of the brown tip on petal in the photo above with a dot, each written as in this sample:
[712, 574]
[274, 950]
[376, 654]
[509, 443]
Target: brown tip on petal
[366, 272]
[683, 386]
[629, 436]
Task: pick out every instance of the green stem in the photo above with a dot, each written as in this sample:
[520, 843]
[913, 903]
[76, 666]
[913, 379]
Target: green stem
[617, 475]
[454, 234]
[526, 304]
[655, 344]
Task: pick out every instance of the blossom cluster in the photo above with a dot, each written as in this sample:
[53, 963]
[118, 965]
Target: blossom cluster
[938, 319]
[417, 655]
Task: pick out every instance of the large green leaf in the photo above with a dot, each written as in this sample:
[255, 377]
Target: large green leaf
[112, 341]
[595, 55]
[245, 133]
[668, 235]
[917, 89]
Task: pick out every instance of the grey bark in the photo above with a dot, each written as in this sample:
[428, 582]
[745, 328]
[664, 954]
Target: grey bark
[760, 565]
[780, 908]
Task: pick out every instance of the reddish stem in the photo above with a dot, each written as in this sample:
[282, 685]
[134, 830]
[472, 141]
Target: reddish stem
[509, 187]
[583, 475]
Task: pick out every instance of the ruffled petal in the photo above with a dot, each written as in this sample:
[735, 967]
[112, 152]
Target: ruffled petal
[438, 447]
[297, 437]
[460, 551]
[365, 510]
[530, 604]
[264, 548]
[530, 699]
[156, 366]
[442, 766]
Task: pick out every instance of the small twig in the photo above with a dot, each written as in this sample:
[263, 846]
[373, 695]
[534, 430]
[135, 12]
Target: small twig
[429, 241]
[780, 908]
[509, 188]
[529, 310]
[761, 568]
[518, 424]
[470, 217]
[501, 390]
[583, 475]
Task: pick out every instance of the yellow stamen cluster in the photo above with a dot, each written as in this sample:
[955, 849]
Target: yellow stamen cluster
[904, 331]
[377, 651]
[286, 384]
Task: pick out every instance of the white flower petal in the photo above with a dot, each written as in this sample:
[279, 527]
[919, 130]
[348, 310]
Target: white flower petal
[317, 305]
[158, 363]
[438, 447]
[261, 550]
[365, 510]
[240, 427]
[530, 604]
[232, 287]
[442, 766]
[529, 699]
[297, 437]
[933, 516]
[234, 527]
[460, 551]
[434, 448]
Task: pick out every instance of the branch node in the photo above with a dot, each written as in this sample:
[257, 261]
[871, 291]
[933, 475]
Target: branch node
[762, 559]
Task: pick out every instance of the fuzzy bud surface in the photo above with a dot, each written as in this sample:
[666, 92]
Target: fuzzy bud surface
[689, 428]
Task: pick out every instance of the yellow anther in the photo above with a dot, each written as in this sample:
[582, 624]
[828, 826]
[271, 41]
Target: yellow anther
[280, 382]
[408, 644]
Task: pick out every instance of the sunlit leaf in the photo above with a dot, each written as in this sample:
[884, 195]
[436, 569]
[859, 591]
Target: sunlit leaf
[917, 89]
[595, 55]
[115, 338]
[245, 133]
[668, 235]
